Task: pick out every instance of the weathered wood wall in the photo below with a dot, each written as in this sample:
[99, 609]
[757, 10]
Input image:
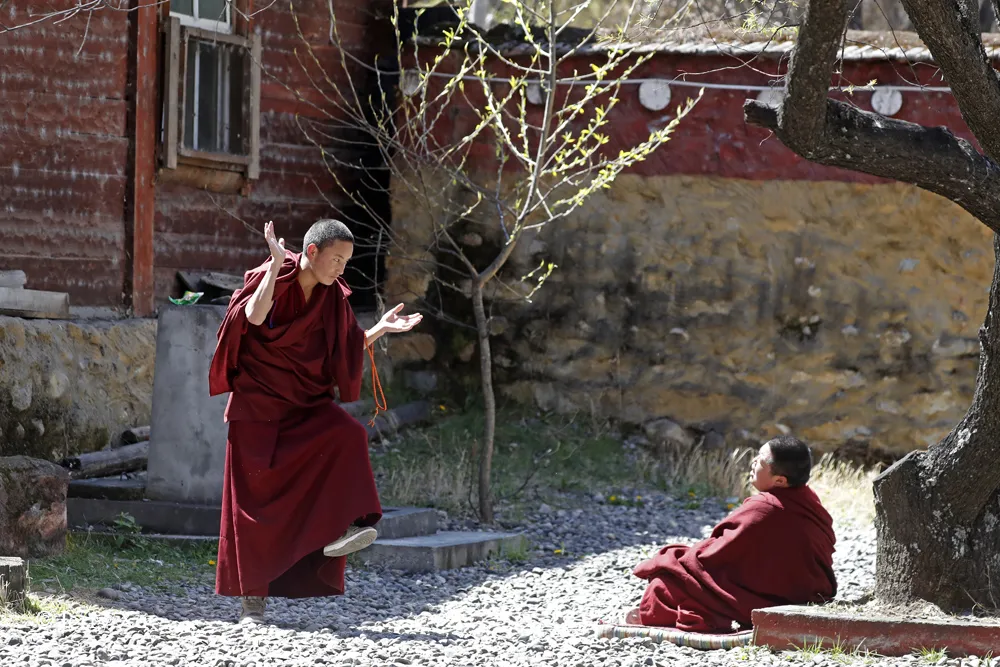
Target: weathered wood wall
[63, 152]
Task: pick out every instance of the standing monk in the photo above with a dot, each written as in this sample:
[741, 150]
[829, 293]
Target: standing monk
[299, 494]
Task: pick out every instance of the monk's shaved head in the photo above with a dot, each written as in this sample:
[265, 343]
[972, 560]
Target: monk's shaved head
[325, 233]
[791, 458]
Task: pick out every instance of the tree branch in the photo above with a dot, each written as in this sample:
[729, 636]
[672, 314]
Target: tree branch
[931, 158]
[951, 32]
[802, 117]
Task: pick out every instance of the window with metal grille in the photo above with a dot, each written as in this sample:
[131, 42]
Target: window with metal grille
[211, 90]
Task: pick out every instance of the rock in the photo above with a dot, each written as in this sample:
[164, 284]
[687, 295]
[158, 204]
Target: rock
[497, 325]
[413, 347]
[20, 395]
[32, 507]
[713, 440]
[669, 433]
[424, 382]
[109, 594]
[472, 240]
[465, 354]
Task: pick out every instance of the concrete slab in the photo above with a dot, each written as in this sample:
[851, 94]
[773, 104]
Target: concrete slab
[108, 488]
[157, 516]
[154, 516]
[441, 551]
[402, 522]
[788, 627]
[187, 449]
[157, 537]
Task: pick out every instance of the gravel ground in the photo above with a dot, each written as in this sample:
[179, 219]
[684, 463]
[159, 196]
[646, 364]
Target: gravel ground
[539, 612]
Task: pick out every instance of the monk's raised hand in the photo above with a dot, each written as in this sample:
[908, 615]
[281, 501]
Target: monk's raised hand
[276, 246]
[393, 322]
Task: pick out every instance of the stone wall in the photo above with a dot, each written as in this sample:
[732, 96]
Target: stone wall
[842, 312]
[69, 387]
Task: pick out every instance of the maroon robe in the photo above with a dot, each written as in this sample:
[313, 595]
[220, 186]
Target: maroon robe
[297, 469]
[776, 549]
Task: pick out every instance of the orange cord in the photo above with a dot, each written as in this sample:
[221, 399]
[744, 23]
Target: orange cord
[376, 387]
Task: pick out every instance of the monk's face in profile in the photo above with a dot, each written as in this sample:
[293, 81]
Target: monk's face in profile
[761, 475]
[329, 263]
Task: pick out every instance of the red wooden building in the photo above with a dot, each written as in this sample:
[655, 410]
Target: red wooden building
[134, 144]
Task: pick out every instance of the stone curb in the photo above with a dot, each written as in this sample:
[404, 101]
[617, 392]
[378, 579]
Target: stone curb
[791, 627]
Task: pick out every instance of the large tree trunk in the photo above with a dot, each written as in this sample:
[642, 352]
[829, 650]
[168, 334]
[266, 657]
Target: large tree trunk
[938, 512]
[489, 402]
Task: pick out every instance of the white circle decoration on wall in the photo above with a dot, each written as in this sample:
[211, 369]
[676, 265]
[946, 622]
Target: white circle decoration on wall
[535, 95]
[771, 97]
[409, 83]
[887, 101]
[654, 95]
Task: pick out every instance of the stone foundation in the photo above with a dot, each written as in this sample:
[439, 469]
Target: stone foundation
[839, 312]
[69, 387]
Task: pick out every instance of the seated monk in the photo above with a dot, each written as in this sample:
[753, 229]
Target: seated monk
[775, 549]
[298, 494]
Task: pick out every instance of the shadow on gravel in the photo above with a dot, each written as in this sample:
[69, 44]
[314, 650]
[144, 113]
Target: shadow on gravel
[571, 539]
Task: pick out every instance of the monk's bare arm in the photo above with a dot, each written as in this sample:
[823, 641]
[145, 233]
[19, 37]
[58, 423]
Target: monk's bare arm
[392, 322]
[260, 303]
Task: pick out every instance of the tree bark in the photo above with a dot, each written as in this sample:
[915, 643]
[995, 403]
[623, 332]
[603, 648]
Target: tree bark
[937, 512]
[13, 584]
[489, 402]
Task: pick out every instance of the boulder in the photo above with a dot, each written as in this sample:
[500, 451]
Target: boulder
[32, 507]
[668, 433]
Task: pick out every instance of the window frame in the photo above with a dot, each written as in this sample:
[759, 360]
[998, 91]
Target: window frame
[213, 25]
[177, 39]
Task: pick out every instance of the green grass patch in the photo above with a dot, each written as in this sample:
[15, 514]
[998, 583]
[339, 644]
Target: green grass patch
[98, 561]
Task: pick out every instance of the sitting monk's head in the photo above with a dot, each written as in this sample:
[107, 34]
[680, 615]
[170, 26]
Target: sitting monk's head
[326, 249]
[783, 462]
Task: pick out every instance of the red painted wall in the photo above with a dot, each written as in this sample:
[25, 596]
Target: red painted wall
[713, 139]
[63, 152]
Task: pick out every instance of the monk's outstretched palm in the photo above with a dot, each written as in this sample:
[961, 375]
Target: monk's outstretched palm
[393, 322]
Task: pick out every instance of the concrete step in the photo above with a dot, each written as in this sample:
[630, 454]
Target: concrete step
[167, 518]
[154, 516]
[441, 551]
[108, 488]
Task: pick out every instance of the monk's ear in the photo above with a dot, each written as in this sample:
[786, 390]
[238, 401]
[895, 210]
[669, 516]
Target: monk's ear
[781, 482]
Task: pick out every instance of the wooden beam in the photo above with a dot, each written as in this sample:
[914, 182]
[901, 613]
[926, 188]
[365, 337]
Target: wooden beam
[143, 114]
[34, 303]
[105, 462]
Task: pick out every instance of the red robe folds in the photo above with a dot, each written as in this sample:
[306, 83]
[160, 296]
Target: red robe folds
[776, 549]
[297, 468]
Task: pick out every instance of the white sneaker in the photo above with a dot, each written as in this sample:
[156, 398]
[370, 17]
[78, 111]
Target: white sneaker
[253, 609]
[355, 539]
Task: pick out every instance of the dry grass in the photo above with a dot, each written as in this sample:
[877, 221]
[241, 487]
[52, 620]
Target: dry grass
[845, 489]
[439, 479]
[537, 454]
[716, 473]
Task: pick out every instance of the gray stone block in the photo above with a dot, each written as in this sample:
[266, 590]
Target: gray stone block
[185, 519]
[153, 516]
[442, 551]
[400, 522]
[187, 450]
